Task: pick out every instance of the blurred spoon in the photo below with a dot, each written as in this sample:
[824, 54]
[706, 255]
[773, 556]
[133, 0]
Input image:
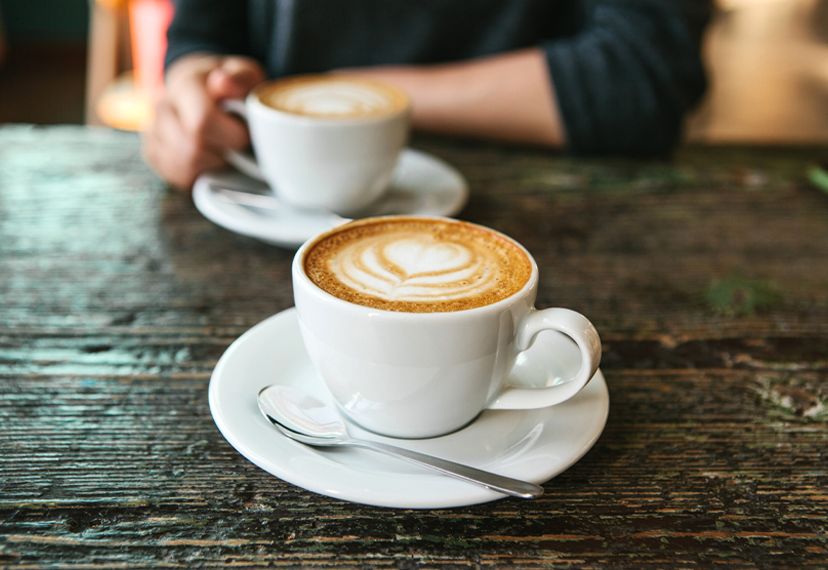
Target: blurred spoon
[270, 202]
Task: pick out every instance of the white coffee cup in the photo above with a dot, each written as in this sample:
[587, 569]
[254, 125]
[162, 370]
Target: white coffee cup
[424, 374]
[325, 141]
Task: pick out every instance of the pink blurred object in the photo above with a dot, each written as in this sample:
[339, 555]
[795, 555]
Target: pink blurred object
[148, 23]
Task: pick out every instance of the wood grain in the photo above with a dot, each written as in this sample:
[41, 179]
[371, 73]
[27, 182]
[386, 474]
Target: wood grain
[706, 276]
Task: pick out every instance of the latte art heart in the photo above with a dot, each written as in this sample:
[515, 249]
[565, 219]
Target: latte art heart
[404, 268]
[418, 266]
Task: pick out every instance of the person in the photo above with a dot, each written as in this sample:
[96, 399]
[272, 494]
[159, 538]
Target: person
[589, 76]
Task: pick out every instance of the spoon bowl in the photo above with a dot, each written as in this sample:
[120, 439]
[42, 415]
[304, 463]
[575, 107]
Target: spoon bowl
[300, 412]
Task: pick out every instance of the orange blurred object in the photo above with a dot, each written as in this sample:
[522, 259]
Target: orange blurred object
[123, 106]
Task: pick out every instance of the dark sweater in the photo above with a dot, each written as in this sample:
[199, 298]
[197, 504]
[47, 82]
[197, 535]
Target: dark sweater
[625, 72]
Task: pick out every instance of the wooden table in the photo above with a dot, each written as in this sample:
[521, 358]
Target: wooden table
[706, 275]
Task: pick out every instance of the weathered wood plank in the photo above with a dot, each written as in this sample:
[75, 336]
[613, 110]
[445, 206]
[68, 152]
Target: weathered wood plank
[706, 276]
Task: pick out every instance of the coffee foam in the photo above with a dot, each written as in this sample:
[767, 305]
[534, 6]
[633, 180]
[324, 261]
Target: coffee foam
[333, 96]
[417, 265]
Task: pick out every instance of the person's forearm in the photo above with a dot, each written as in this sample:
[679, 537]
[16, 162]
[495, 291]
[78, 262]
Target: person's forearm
[506, 97]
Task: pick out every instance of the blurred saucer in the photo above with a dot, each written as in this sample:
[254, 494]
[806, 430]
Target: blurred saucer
[533, 445]
[422, 185]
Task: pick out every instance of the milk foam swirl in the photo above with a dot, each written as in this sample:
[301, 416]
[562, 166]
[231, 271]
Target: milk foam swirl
[420, 266]
[336, 98]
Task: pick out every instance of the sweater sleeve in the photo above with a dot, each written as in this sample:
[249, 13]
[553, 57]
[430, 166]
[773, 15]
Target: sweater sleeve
[215, 26]
[625, 82]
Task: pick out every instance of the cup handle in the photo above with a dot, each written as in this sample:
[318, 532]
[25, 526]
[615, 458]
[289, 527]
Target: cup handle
[244, 162]
[575, 326]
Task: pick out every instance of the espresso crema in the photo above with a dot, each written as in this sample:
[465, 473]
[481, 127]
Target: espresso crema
[333, 96]
[417, 265]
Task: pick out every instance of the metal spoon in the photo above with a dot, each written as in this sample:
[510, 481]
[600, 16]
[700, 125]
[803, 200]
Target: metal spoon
[270, 202]
[302, 418]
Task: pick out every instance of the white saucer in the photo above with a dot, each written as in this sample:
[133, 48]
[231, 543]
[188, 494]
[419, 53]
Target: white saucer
[533, 445]
[421, 185]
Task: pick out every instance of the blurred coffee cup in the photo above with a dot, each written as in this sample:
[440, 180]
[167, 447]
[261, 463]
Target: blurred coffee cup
[327, 141]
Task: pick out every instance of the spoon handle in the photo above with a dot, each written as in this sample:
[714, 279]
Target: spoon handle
[507, 485]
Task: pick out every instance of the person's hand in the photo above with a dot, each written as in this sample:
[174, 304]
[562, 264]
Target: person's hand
[190, 131]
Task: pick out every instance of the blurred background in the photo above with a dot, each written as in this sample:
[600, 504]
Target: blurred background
[43, 60]
[70, 61]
